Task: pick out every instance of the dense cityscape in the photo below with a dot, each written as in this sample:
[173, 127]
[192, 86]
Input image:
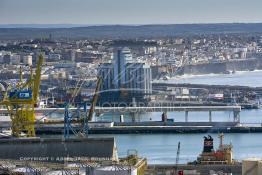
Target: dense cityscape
[113, 87]
[79, 62]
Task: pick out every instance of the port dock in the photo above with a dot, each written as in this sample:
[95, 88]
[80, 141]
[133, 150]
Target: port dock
[168, 126]
[136, 110]
[157, 127]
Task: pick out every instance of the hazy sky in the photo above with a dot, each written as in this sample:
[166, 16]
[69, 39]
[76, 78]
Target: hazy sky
[129, 11]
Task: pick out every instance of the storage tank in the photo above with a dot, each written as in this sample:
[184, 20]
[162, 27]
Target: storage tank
[115, 170]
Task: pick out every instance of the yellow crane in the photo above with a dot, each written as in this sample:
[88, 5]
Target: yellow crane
[21, 101]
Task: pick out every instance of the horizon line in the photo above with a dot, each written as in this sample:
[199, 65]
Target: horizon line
[72, 25]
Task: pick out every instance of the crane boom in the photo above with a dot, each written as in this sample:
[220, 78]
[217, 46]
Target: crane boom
[178, 153]
[95, 98]
[177, 158]
[37, 78]
[21, 101]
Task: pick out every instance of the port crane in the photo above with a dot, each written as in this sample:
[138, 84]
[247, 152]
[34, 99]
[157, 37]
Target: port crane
[21, 101]
[175, 172]
[95, 98]
[178, 153]
[69, 118]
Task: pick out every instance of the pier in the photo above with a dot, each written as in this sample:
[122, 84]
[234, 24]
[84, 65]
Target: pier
[167, 126]
[156, 128]
[136, 110]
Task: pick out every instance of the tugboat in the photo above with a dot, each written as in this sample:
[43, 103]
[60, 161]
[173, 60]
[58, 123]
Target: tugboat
[222, 156]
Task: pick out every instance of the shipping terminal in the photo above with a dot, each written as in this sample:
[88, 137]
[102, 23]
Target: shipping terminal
[22, 151]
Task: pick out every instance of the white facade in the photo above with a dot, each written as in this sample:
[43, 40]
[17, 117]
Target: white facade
[150, 50]
[28, 60]
[139, 76]
[123, 72]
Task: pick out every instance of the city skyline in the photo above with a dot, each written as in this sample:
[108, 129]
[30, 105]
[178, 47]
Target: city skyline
[104, 12]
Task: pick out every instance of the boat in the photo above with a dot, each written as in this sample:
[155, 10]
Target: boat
[209, 156]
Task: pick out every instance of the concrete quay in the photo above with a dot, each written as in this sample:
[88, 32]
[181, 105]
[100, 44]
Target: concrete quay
[157, 127]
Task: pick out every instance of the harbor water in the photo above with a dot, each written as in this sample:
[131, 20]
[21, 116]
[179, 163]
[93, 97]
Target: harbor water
[242, 78]
[161, 148]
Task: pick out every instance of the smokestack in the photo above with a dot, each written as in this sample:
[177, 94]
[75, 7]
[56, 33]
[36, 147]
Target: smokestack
[208, 144]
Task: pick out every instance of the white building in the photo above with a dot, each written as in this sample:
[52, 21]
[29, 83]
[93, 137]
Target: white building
[125, 73]
[150, 50]
[28, 60]
[139, 76]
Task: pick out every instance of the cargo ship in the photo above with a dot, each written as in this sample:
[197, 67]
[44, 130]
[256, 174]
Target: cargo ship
[209, 156]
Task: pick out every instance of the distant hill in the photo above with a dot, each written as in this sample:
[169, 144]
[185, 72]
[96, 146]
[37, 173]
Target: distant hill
[125, 31]
[42, 25]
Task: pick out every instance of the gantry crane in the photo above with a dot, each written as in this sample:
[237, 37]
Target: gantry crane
[21, 101]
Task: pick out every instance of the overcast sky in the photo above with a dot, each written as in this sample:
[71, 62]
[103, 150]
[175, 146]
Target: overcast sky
[129, 11]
